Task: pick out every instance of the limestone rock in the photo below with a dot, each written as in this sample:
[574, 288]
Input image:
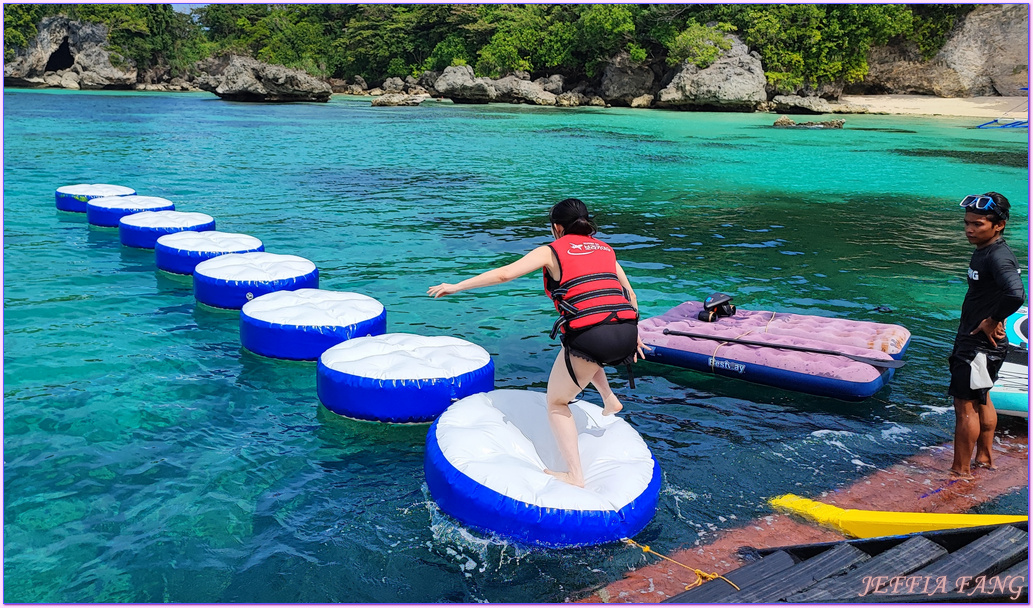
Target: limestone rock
[359, 80]
[517, 90]
[786, 122]
[427, 79]
[236, 78]
[624, 80]
[61, 45]
[571, 99]
[393, 85]
[553, 84]
[338, 85]
[375, 91]
[398, 99]
[735, 81]
[794, 104]
[643, 101]
[986, 54]
[458, 83]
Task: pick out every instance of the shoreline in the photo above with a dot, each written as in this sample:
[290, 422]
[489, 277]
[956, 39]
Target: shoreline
[1015, 107]
[929, 105]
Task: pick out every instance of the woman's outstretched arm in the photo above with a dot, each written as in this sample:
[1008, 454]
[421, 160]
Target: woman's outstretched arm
[535, 260]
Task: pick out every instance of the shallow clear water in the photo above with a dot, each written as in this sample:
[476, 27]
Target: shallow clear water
[148, 458]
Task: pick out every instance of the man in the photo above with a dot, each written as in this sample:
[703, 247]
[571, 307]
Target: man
[994, 291]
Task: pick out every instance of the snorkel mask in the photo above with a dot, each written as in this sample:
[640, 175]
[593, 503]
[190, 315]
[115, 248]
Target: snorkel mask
[981, 203]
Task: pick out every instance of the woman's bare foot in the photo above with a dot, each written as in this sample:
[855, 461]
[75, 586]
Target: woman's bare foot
[611, 405]
[566, 478]
[984, 465]
[962, 476]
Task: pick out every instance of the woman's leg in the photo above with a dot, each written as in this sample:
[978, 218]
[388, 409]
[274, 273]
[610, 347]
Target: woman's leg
[611, 404]
[560, 392]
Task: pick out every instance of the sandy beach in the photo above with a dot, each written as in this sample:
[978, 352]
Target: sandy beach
[978, 107]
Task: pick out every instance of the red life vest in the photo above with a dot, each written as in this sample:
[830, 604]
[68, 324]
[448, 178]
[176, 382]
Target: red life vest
[588, 292]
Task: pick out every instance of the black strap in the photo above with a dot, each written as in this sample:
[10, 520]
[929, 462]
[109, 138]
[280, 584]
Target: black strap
[596, 293]
[564, 287]
[570, 367]
[631, 377]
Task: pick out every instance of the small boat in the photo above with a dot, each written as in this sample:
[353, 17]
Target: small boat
[858, 523]
[1006, 121]
[840, 358]
[984, 564]
[1010, 394]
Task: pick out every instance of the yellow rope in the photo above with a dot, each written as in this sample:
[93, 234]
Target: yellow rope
[701, 577]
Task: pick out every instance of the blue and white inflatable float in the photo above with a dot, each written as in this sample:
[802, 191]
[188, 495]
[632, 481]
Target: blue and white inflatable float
[485, 466]
[75, 197]
[109, 210]
[304, 323]
[142, 229]
[1010, 394]
[401, 378]
[234, 279]
[181, 252]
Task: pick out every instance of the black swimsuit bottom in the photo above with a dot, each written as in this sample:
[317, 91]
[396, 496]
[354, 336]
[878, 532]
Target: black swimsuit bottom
[606, 344]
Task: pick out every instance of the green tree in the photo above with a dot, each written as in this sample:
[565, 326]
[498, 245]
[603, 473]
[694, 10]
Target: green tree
[699, 44]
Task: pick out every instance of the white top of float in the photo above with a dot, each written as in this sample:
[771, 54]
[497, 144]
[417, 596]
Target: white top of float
[130, 202]
[502, 440]
[97, 190]
[255, 266]
[211, 241]
[313, 307]
[166, 219]
[405, 357]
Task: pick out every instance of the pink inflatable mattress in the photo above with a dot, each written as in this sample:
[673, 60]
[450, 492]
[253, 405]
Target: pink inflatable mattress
[814, 373]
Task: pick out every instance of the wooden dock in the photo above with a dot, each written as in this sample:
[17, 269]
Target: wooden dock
[986, 564]
[919, 483]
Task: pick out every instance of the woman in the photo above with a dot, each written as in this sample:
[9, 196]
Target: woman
[598, 318]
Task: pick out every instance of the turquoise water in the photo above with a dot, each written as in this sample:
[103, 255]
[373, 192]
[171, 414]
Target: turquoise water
[148, 458]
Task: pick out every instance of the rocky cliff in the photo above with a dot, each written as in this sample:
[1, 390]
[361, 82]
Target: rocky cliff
[71, 55]
[986, 54]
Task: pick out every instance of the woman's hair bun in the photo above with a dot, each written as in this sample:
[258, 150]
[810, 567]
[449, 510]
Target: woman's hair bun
[572, 215]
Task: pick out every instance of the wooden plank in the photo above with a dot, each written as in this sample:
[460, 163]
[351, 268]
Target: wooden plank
[717, 590]
[802, 575]
[903, 559]
[1012, 585]
[992, 553]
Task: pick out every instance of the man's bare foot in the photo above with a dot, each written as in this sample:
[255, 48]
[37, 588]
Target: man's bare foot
[962, 476]
[611, 405]
[984, 465]
[566, 478]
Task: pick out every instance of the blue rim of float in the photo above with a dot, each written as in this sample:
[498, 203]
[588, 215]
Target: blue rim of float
[400, 400]
[821, 386]
[222, 293]
[490, 512]
[183, 261]
[302, 342]
[1010, 403]
[1017, 327]
[145, 237]
[78, 203]
[108, 217]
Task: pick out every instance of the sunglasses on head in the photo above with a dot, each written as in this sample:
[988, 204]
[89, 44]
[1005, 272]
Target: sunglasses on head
[981, 202]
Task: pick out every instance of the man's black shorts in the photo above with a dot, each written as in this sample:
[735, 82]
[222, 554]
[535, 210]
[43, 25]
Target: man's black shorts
[960, 360]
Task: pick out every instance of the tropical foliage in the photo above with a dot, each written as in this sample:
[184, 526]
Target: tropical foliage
[800, 44]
